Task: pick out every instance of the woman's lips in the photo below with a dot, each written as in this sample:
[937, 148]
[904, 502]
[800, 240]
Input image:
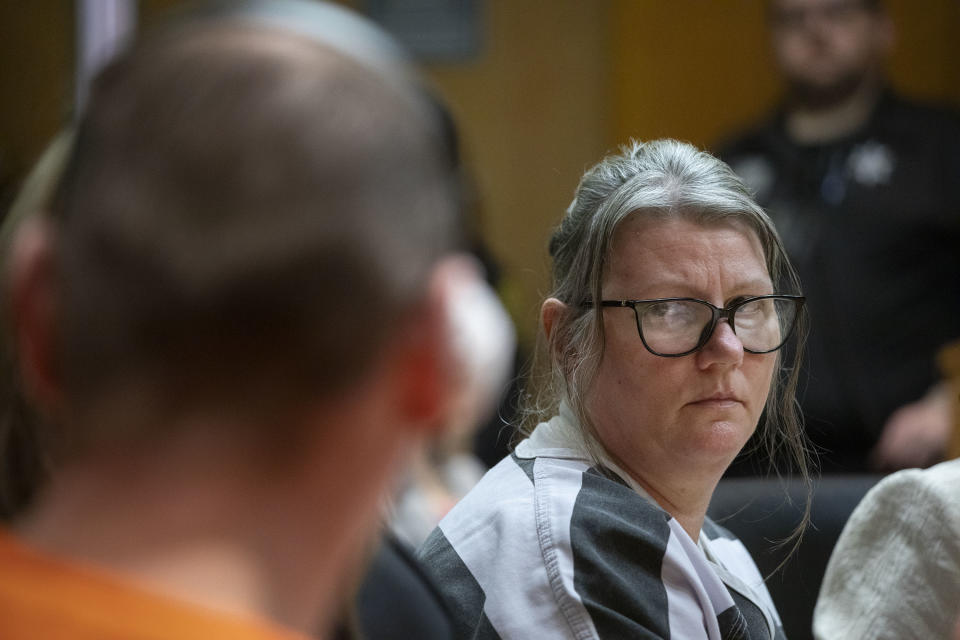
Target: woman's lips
[719, 401]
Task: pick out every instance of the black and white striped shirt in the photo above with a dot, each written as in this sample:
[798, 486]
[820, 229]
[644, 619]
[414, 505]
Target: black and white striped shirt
[549, 545]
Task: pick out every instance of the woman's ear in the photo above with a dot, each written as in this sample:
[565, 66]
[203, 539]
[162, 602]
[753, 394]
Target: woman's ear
[551, 311]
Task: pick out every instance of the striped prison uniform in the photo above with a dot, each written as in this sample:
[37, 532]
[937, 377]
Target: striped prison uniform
[549, 545]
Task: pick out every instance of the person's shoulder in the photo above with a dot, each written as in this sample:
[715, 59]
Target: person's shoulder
[503, 504]
[911, 520]
[503, 555]
[945, 475]
[587, 493]
[906, 499]
[924, 119]
[606, 509]
[397, 594]
[920, 108]
[937, 484]
[504, 489]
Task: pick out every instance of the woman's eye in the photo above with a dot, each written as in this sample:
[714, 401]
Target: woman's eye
[751, 308]
[675, 313]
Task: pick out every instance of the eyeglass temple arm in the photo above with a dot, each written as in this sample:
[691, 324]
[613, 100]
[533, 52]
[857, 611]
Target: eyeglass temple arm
[608, 303]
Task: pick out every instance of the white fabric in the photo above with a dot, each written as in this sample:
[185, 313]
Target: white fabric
[895, 572]
[502, 550]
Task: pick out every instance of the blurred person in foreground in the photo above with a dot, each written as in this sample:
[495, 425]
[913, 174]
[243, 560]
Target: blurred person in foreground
[863, 187]
[236, 315]
[445, 470]
[672, 297]
[895, 572]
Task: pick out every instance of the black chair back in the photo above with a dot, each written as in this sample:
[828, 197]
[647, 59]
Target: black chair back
[764, 511]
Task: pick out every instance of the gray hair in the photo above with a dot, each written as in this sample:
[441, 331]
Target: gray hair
[663, 179]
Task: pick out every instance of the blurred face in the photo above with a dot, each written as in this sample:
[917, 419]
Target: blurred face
[826, 48]
[657, 414]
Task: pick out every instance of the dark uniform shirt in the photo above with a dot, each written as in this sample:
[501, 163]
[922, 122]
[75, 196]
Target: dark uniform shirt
[872, 224]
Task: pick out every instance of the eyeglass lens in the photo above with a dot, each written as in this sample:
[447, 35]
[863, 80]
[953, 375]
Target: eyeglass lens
[678, 326]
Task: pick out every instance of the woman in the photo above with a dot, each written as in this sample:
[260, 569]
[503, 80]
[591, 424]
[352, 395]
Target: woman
[663, 337]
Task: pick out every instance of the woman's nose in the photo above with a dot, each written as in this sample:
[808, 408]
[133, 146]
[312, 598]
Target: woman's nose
[723, 347]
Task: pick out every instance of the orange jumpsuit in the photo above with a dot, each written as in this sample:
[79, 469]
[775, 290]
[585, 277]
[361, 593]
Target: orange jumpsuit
[46, 598]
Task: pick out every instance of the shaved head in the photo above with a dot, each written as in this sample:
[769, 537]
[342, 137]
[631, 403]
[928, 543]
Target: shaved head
[244, 205]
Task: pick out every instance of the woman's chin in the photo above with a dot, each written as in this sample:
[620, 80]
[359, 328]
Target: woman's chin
[718, 442]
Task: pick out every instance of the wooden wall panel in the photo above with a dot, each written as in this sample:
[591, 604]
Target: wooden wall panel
[532, 113]
[36, 84]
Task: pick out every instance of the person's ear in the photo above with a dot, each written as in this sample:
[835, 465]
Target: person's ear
[551, 313]
[424, 363]
[458, 349]
[32, 281]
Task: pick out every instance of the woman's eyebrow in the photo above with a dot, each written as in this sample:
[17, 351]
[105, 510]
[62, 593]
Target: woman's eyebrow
[680, 287]
[758, 284]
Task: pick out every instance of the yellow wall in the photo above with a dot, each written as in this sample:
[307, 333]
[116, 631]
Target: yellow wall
[532, 114]
[36, 82]
[927, 57]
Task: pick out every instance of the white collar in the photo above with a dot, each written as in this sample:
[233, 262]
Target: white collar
[561, 437]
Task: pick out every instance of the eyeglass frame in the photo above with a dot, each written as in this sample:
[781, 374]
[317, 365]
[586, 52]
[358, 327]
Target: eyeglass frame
[725, 313]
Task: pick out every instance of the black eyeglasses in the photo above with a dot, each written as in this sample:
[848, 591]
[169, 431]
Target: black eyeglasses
[674, 327]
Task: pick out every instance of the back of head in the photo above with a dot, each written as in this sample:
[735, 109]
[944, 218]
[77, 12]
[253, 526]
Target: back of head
[247, 215]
